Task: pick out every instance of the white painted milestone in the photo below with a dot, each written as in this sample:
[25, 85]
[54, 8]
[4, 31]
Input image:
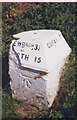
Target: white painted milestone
[36, 59]
[36, 49]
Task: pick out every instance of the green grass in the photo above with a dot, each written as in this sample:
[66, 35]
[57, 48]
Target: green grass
[61, 16]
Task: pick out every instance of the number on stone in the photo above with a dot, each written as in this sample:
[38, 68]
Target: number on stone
[38, 60]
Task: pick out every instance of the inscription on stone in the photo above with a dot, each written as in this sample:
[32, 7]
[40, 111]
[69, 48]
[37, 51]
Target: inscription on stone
[24, 44]
[45, 53]
[30, 46]
[40, 51]
[52, 42]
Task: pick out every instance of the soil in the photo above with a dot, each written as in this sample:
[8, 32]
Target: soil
[25, 110]
[20, 7]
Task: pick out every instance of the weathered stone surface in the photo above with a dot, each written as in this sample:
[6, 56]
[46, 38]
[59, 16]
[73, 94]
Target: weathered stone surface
[35, 63]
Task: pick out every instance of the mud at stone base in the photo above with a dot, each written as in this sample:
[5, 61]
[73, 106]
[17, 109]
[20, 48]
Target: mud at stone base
[25, 110]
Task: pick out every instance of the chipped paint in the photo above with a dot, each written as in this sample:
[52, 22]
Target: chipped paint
[35, 33]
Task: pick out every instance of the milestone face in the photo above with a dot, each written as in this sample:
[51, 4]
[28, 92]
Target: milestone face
[41, 50]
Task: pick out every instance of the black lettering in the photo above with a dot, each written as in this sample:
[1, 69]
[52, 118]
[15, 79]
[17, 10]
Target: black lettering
[48, 44]
[29, 44]
[51, 43]
[36, 47]
[19, 43]
[54, 41]
[35, 59]
[32, 46]
[39, 60]
[22, 55]
[23, 44]
[39, 48]
[32, 49]
[14, 43]
[26, 44]
[26, 57]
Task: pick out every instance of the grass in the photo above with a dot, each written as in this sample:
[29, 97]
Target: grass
[61, 16]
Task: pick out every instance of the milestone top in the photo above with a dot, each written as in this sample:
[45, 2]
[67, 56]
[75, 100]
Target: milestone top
[40, 49]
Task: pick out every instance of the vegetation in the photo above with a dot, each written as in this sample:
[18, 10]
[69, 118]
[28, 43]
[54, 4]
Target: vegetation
[59, 16]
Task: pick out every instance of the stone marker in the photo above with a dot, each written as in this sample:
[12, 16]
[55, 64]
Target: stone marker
[36, 59]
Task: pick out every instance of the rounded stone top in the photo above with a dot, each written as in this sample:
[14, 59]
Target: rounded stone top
[37, 34]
